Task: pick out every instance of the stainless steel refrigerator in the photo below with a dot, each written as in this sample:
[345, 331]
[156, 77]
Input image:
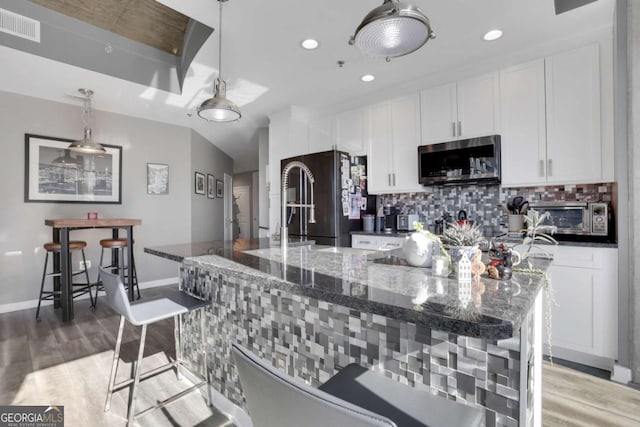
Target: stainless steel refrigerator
[340, 197]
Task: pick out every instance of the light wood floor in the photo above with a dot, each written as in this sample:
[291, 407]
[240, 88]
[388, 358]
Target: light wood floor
[49, 362]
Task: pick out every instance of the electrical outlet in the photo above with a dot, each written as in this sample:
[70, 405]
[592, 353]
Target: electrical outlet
[82, 264]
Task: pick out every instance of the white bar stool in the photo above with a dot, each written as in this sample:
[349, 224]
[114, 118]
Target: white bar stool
[143, 314]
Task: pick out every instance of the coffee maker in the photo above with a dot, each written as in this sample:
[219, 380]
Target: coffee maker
[390, 219]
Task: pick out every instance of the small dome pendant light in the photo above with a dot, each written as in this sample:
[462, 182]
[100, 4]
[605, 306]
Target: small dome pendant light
[86, 144]
[392, 30]
[219, 108]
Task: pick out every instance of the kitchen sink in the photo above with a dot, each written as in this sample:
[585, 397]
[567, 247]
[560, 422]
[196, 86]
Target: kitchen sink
[347, 251]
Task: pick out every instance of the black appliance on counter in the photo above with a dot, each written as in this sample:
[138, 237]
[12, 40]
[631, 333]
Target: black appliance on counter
[472, 160]
[340, 197]
[390, 219]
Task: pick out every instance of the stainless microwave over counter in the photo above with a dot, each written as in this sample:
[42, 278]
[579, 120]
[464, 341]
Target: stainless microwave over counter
[578, 219]
[463, 161]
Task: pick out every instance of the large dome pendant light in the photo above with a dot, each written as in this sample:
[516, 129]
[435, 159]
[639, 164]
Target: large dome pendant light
[219, 108]
[391, 30]
[86, 144]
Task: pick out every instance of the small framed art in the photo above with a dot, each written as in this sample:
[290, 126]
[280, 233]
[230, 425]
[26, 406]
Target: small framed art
[157, 178]
[211, 186]
[199, 183]
[219, 189]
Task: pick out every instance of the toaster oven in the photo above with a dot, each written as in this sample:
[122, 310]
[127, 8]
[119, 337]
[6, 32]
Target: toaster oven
[405, 222]
[577, 218]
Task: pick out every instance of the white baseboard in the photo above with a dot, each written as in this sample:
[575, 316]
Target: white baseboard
[25, 305]
[621, 374]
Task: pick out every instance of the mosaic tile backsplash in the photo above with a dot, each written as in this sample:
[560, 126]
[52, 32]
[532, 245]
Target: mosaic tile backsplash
[483, 203]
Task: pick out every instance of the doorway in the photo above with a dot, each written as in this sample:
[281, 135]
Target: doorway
[242, 200]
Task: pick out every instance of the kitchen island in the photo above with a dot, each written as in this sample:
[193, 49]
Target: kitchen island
[314, 309]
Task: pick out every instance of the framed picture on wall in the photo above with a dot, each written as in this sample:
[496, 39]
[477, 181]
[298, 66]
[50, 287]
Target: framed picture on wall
[211, 184]
[157, 178]
[199, 184]
[219, 189]
[55, 174]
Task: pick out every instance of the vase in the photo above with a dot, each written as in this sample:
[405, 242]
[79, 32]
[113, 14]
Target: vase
[418, 250]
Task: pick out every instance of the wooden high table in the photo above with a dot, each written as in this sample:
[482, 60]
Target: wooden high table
[62, 260]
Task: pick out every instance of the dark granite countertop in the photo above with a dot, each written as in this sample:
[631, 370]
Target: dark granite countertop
[382, 233]
[374, 282]
[587, 241]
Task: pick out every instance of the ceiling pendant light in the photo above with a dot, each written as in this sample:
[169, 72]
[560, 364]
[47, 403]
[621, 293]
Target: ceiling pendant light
[391, 30]
[219, 108]
[86, 144]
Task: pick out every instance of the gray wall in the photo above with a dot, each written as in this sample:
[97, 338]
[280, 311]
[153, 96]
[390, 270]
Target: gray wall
[165, 219]
[207, 214]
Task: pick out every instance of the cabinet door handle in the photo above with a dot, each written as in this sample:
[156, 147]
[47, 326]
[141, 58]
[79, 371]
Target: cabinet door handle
[459, 128]
[541, 168]
[453, 128]
[549, 170]
[394, 179]
[365, 242]
[389, 179]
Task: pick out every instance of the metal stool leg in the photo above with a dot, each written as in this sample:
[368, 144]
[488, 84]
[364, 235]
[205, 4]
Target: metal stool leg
[114, 365]
[176, 331]
[44, 276]
[86, 275]
[136, 381]
[205, 359]
[134, 274]
[98, 280]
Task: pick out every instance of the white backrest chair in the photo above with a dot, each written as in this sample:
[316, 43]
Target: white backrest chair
[275, 399]
[142, 314]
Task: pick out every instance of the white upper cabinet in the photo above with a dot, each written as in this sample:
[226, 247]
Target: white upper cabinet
[379, 161]
[322, 134]
[523, 136]
[551, 120]
[574, 147]
[465, 109]
[405, 138]
[351, 128]
[438, 114]
[394, 137]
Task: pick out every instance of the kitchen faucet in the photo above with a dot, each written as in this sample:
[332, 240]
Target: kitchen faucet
[284, 230]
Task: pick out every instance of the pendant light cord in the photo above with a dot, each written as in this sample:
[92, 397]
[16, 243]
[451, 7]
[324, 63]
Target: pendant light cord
[220, 42]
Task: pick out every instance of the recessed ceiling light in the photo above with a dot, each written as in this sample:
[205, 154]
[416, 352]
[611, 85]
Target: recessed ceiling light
[493, 35]
[309, 44]
[367, 78]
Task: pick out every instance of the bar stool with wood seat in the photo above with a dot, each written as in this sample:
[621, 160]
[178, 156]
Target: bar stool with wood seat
[143, 314]
[77, 289]
[117, 264]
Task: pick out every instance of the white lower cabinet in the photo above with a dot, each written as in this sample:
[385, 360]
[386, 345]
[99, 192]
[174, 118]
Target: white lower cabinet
[585, 314]
[378, 243]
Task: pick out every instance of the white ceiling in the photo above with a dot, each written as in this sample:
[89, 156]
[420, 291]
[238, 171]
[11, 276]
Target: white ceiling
[267, 70]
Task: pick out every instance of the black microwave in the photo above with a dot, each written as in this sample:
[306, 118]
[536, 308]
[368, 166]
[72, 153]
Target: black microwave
[473, 160]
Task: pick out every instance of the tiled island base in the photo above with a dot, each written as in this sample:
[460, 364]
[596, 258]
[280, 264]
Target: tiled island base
[312, 339]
